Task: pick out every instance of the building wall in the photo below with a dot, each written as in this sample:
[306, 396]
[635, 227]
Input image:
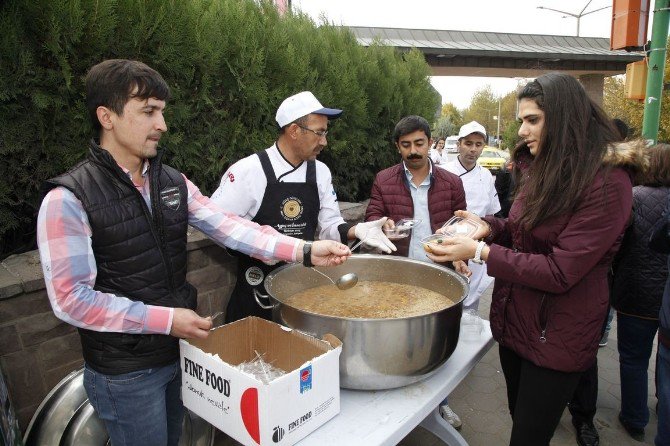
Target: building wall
[594, 85]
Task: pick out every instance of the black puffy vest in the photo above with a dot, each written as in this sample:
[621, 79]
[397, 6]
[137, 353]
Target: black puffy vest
[139, 253]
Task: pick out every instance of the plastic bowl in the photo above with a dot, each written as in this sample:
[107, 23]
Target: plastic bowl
[458, 226]
[402, 229]
[397, 233]
[432, 240]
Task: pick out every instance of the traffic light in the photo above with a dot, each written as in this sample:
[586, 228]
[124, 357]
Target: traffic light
[636, 80]
[629, 24]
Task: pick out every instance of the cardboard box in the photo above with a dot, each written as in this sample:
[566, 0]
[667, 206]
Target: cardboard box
[253, 413]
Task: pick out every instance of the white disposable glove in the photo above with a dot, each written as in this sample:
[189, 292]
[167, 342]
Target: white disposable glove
[372, 235]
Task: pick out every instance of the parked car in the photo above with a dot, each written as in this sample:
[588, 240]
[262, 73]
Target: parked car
[493, 159]
[505, 154]
[450, 144]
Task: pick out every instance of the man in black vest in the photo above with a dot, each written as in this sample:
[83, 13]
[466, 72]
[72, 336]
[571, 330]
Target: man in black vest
[112, 241]
[286, 187]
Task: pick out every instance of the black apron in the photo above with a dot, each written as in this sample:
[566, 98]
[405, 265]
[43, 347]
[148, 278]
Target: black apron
[290, 208]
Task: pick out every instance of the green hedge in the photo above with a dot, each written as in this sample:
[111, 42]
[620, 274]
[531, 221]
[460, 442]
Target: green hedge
[229, 64]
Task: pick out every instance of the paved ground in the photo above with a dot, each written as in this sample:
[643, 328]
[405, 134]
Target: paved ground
[481, 402]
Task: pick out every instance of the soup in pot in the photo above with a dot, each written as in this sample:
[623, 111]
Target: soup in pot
[370, 300]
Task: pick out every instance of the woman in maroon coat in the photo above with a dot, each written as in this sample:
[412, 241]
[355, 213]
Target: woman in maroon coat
[550, 257]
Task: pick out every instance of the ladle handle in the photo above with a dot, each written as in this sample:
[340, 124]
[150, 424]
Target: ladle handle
[360, 242]
[323, 274]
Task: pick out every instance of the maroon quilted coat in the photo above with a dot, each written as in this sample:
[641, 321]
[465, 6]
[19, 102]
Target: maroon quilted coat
[551, 295]
[390, 197]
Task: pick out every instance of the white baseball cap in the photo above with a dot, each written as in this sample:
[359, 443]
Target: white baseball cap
[300, 105]
[470, 128]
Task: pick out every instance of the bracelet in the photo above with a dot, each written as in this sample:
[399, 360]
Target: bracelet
[478, 253]
[307, 254]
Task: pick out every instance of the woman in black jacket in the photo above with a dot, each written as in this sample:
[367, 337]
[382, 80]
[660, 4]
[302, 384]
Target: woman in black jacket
[637, 291]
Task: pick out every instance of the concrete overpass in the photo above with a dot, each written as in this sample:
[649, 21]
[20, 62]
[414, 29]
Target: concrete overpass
[488, 54]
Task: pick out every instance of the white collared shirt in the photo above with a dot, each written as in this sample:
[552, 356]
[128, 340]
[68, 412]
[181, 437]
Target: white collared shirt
[480, 191]
[420, 200]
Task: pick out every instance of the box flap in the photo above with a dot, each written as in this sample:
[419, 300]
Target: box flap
[332, 340]
[239, 341]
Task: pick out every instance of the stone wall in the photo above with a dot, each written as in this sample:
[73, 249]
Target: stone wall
[37, 350]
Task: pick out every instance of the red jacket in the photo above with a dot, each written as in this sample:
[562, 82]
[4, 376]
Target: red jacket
[390, 197]
[551, 295]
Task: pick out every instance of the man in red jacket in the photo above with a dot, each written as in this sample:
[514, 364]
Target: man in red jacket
[415, 189]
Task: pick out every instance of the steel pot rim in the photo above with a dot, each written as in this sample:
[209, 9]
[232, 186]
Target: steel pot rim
[460, 278]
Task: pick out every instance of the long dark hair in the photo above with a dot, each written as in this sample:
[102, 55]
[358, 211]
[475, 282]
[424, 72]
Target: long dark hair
[574, 141]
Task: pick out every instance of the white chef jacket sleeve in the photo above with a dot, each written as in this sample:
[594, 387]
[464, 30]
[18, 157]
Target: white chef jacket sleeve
[242, 188]
[330, 217]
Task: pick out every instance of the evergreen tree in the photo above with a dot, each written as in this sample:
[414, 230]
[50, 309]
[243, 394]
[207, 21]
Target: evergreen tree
[229, 64]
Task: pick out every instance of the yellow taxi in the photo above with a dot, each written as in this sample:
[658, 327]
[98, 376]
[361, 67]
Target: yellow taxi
[493, 159]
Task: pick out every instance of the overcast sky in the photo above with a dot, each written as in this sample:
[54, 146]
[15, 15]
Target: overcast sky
[510, 16]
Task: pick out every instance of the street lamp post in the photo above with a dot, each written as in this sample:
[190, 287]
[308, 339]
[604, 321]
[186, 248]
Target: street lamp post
[498, 139]
[498, 131]
[577, 16]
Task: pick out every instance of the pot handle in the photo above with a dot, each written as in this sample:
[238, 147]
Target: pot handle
[258, 296]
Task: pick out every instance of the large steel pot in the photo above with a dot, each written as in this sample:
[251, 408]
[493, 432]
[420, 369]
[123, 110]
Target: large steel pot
[377, 353]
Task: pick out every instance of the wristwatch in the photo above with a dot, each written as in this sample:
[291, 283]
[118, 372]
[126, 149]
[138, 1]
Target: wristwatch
[307, 254]
[478, 253]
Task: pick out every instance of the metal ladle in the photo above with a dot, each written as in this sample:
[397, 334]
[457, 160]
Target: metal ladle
[345, 281]
[348, 280]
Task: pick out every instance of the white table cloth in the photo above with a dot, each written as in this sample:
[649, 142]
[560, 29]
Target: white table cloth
[384, 417]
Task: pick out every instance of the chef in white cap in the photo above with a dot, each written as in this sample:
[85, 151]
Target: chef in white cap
[480, 194]
[286, 187]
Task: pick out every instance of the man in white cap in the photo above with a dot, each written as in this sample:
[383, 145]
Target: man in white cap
[482, 199]
[285, 187]
[480, 194]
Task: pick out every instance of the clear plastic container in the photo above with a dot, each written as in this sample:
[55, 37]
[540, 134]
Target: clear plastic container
[433, 240]
[459, 226]
[402, 229]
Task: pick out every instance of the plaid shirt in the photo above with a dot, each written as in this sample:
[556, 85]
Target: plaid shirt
[64, 242]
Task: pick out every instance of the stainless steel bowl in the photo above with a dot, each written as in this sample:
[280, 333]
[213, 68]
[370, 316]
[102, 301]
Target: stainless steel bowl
[378, 353]
[66, 418]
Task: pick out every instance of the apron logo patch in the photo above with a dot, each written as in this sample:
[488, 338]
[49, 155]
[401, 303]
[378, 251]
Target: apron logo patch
[254, 276]
[171, 197]
[291, 208]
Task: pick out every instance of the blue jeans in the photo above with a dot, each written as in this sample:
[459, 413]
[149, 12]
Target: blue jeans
[663, 395]
[141, 408]
[635, 341]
